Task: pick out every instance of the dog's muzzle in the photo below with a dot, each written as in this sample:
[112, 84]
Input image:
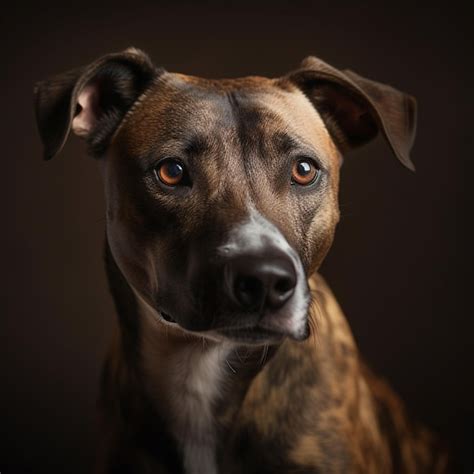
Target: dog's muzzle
[251, 289]
[265, 281]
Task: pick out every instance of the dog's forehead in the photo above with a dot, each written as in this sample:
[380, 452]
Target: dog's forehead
[186, 108]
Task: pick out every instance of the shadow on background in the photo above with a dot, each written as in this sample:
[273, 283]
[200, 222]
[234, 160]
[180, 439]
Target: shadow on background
[397, 265]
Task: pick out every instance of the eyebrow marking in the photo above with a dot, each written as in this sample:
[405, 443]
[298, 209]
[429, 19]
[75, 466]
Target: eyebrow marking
[195, 145]
[284, 143]
[178, 146]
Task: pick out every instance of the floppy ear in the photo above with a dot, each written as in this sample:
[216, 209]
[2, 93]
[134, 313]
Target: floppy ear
[354, 109]
[91, 100]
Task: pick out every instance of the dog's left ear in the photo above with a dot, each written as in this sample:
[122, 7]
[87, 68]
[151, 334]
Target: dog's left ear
[354, 109]
[92, 100]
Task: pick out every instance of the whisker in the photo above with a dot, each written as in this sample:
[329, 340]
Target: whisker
[230, 367]
[264, 355]
[238, 355]
[316, 313]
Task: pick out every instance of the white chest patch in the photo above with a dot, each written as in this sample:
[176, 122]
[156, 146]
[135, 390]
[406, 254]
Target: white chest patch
[197, 381]
[193, 382]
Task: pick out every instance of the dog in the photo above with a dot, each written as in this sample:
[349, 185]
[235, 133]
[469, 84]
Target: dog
[231, 353]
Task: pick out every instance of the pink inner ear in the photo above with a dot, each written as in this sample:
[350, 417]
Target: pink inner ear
[88, 114]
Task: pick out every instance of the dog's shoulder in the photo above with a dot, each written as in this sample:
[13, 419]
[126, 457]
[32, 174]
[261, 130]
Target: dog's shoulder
[316, 407]
[296, 413]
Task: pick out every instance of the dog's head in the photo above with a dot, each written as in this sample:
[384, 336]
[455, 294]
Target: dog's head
[221, 195]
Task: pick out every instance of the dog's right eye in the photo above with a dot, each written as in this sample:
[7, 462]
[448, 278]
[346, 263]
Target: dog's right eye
[171, 172]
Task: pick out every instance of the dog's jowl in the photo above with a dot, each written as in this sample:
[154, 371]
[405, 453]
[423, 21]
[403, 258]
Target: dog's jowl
[232, 355]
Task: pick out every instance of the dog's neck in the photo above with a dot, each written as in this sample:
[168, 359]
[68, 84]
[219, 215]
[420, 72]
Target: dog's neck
[199, 398]
[194, 385]
[186, 379]
[197, 385]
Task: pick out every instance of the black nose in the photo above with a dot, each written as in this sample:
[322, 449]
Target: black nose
[256, 283]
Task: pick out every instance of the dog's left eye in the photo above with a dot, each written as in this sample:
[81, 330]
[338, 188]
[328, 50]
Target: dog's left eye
[171, 172]
[305, 172]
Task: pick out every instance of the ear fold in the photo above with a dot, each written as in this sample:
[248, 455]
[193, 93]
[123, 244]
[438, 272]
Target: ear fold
[355, 109]
[91, 100]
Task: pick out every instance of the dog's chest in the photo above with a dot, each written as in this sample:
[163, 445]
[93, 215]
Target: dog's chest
[191, 382]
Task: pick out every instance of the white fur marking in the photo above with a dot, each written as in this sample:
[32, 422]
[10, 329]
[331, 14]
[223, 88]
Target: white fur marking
[193, 375]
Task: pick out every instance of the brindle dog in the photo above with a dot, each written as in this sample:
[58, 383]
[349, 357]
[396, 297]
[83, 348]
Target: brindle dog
[232, 355]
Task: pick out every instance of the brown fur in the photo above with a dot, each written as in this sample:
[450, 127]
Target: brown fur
[345, 418]
[310, 407]
[294, 407]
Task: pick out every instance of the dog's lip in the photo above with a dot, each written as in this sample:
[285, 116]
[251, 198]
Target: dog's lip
[167, 317]
[248, 334]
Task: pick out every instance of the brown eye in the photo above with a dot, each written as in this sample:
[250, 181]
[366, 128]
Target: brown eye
[304, 172]
[170, 172]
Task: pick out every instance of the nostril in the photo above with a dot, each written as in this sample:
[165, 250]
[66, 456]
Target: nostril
[284, 285]
[280, 292]
[249, 291]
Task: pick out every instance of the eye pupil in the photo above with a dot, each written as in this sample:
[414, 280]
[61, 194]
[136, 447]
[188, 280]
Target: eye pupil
[174, 169]
[305, 172]
[303, 168]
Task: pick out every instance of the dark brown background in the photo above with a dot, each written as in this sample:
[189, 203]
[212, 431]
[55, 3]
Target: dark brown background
[399, 266]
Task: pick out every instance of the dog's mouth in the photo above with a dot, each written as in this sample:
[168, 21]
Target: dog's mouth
[251, 334]
[168, 318]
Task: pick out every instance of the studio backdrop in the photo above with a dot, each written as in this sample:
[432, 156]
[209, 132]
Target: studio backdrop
[398, 263]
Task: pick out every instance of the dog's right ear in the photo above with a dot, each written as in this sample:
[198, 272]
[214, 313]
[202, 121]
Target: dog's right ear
[91, 100]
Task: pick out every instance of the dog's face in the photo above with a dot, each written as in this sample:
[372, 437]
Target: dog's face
[221, 196]
[221, 199]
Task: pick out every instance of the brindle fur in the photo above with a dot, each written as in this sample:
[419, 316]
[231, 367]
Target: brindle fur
[310, 407]
[297, 407]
